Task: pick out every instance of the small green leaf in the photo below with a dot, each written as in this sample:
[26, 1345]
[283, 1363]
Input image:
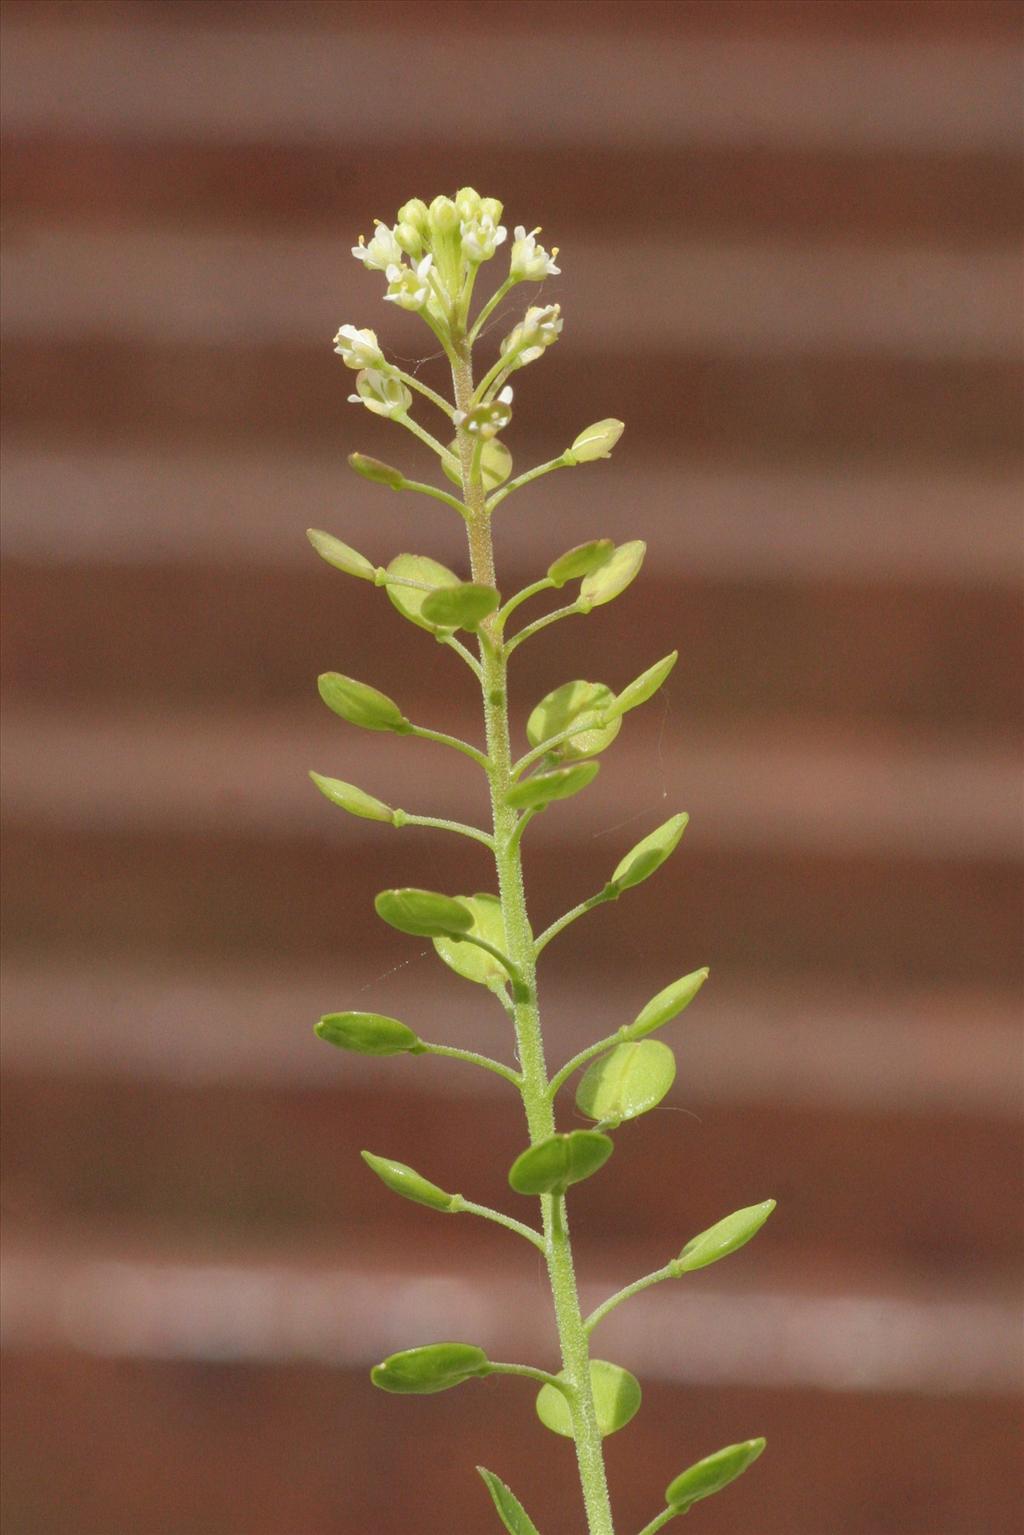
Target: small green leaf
[367, 1033]
[360, 704]
[536, 792]
[668, 1004]
[574, 704]
[626, 1082]
[435, 1367]
[424, 913]
[643, 687]
[616, 1400]
[551, 1165]
[579, 562]
[340, 555]
[495, 464]
[612, 578]
[409, 600]
[642, 861]
[712, 1474]
[597, 441]
[724, 1237]
[460, 607]
[407, 1182]
[510, 1511]
[355, 801]
[373, 469]
[465, 958]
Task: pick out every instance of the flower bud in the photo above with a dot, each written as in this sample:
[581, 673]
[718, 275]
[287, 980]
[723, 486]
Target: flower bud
[467, 201]
[596, 441]
[373, 469]
[443, 216]
[410, 239]
[359, 348]
[491, 208]
[381, 393]
[416, 214]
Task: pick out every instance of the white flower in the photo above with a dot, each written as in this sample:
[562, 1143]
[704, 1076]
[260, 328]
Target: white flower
[359, 348]
[539, 328]
[382, 393]
[383, 250]
[409, 287]
[481, 238]
[529, 261]
[487, 421]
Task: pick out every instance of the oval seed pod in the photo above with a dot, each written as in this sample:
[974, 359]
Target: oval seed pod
[435, 1367]
[360, 704]
[460, 607]
[668, 1004]
[465, 958]
[340, 555]
[643, 687]
[355, 801]
[409, 600]
[642, 861]
[424, 913]
[616, 1400]
[612, 578]
[368, 1034]
[724, 1237]
[510, 1511]
[597, 441]
[551, 1165]
[574, 704]
[407, 1182]
[712, 1474]
[373, 469]
[579, 562]
[627, 1082]
[536, 792]
[495, 464]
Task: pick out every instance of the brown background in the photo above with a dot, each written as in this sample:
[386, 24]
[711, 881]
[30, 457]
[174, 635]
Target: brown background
[789, 240]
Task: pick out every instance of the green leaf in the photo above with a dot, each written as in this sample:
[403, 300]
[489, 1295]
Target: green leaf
[460, 607]
[465, 958]
[551, 1165]
[424, 913]
[355, 801]
[367, 1033]
[612, 578]
[724, 1237]
[340, 555]
[360, 704]
[628, 1081]
[510, 1511]
[616, 1400]
[536, 792]
[712, 1474]
[574, 703]
[668, 1004]
[642, 861]
[579, 562]
[407, 1182]
[409, 600]
[435, 1367]
[373, 469]
[643, 687]
[495, 464]
[597, 441]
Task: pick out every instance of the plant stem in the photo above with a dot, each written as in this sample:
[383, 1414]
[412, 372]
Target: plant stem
[520, 943]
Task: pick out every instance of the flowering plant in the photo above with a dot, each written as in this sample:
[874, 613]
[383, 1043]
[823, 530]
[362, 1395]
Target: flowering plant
[430, 259]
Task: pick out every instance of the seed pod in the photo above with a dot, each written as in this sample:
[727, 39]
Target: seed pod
[616, 1400]
[368, 1034]
[537, 792]
[724, 1237]
[409, 600]
[407, 1182]
[465, 958]
[360, 704]
[495, 464]
[612, 578]
[643, 687]
[459, 607]
[597, 441]
[712, 1474]
[668, 1004]
[627, 1082]
[373, 469]
[574, 704]
[355, 801]
[642, 861]
[424, 913]
[551, 1165]
[340, 555]
[435, 1367]
[579, 562]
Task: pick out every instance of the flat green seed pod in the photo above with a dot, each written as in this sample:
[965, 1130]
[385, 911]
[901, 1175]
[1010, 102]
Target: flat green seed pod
[597, 441]
[409, 600]
[367, 1033]
[360, 704]
[643, 687]
[724, 1237]
[579, 562]
[510, 1511]
[407, 1182]
[668, 1004]
[355, 801]
[550, 1166]
[495, 464]
[642, 861]
[340, 555]
[424, 913]
[536, 792]
[460, 607]
[627, 1082]
[712, 1474]
[616, 1400]
[465, 958]
[574, 704]
[612, 578]
[435, 1367]
[373, 469]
